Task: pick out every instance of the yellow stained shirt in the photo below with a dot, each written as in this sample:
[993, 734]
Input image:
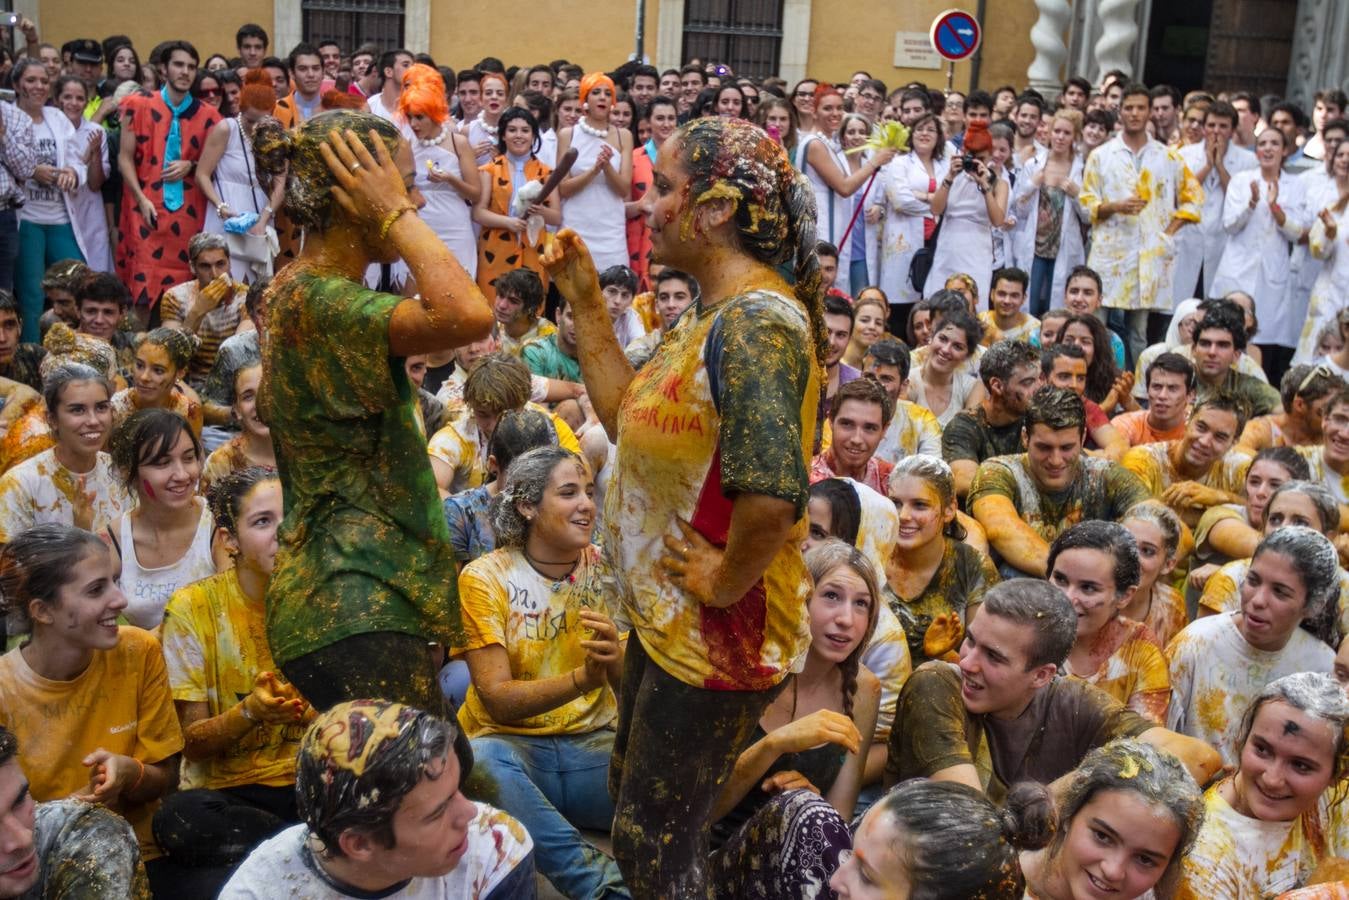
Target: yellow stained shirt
[1135, 674]
[39, 490]
[460, 446]
[1152, 464]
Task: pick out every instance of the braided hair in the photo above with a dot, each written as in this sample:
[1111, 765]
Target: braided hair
[820, 561]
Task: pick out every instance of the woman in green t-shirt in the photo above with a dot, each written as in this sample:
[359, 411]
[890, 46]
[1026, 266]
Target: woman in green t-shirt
[364, 577]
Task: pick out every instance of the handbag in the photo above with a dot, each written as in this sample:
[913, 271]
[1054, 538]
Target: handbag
[920, 264]
[258, 250]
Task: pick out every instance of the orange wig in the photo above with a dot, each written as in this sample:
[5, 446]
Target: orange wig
[257, 92]
[423, 94]
[594, 80]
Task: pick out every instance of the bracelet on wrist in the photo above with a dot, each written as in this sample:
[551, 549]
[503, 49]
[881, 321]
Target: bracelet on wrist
[576, 683]
[139, 778]
[393, 216]
[243, 711]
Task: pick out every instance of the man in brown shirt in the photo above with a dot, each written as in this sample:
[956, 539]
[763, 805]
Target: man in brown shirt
[1004, 714]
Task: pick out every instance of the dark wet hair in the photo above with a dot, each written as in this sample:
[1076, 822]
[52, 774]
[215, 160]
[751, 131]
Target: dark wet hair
[1107, 537]
[957, 845]
[518, 431]
[177, 343]
[295, 155]
[36, 564]
[1056, 409]
[228, 493]
[774, 204]
[523, 284]
[1042, 607]
[891, 352]
[55, 381]
[1173, 363]
[1101, 371]
[845, 508]
[145, 437]
[1002, 359]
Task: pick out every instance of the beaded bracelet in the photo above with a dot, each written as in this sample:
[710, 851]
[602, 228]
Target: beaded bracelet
[392, 217]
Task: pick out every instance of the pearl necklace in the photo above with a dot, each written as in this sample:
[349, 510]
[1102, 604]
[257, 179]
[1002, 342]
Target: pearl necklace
[482, 123]
[591, 129]
[435, 141]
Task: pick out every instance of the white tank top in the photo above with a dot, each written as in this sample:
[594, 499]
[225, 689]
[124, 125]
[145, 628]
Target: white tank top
[148, 590]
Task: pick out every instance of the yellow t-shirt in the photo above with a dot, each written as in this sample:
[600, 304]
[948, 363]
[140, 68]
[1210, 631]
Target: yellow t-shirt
[506, 602]
[121, 703]
[460, 446]
[1152, 464]
[1136, 672]
[215, 644]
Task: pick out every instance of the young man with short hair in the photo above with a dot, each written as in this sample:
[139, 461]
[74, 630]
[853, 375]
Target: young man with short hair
[1065, 366]
[365, 78]
[619, 286]
[1219, 339]
[278, 75]
[1170, 384]
[1213, 162]
[913, 429]
[1010, 371]
[838, 325]
[1007, 320]
[554, 355]
[1004, 714]
[1082, 297]
[1076, 90]
[306, 70]
[518, 296]
[692, 80]
[1026, 114]
[673, 292]
[1133, 228]
[1198, 471]
[58, 289]
[393, 64]
[398, 825]
[1025, 501]
[251, 41]
[209, 307]
[1329, 460]
[1306, 392]
[913, 105]
[1164, 112]
[469, 94]
[862, 410]
[645, 79]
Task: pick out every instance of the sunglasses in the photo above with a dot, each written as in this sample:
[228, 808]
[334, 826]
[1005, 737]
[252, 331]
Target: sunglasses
[211, 92]
[1318, 372]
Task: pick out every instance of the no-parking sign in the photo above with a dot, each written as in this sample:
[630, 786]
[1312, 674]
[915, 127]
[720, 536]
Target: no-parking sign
[955, 35]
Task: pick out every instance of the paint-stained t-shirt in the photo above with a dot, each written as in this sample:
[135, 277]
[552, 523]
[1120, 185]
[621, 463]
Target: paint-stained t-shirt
[958, 586]
[726, 408]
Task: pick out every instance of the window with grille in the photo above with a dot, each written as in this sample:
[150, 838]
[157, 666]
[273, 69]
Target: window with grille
[352, 23]
[744, 34]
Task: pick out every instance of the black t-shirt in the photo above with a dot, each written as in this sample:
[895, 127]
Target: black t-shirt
[969, 436]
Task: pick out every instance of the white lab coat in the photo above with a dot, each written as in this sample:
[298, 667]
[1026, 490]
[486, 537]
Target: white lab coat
[71, 155]
[1257, 257]
[86, 206]
[1202, 245]
[1026, 204]
[902, 228]
[1330, 292]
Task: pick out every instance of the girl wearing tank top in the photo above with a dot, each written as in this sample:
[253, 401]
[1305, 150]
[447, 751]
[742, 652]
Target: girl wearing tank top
[164, 543]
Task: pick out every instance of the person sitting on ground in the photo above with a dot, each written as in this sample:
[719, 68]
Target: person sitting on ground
[816, 734]
[162, 543]
[242, 723]
[498, 383]
[945, 841]
[1220, 663]
[1329, 459]
[673, 292]
[1170, 384]
[1267, 825]
[1127, 819]
[1006, 320]
[941, 384]
[1006, 691]
[73, 483]
[518, 299]
[1010, 371]
[1199, 471]
[102, 301]
[467, 358]
[1231, 531]
[1051, 328]
[861, 412]
[543, 682]
[237, 351]
[913, 429]
[379, 790]
[1023, 502]
[925, 315]
[934, 581]
[619, 285]
[1082, 297]
[1305, 391]
[1219, 339]
[1180, 339]
[1106, 384]
[209, 307]
[253, 445]
[88, 700]
[466, 513]
[838, 325]
[59, 284]
[554, 356]
[1097, 565]
[62, 848]
[1157, 531]
[1064, 365]
[161, 361]
[18, 362]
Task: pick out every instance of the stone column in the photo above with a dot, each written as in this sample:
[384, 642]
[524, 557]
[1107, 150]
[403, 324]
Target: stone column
[670, 35]
[795, 48]
[1119, 32]
[1047, 36]
[1318, 61]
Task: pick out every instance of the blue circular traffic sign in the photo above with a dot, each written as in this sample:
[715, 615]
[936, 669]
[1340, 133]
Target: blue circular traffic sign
[955, 35]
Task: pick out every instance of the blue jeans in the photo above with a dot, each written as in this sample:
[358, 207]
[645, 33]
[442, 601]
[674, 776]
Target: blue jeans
[554, 785]
[857, 276]
[1041, 286]
[39, 247]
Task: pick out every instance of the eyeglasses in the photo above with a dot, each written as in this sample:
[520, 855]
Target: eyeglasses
[210, 92]
[804, 94]
[874, 98]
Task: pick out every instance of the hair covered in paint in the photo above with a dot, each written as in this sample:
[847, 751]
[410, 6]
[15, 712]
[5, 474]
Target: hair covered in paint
[1327, 506]
[36, 564]
[1312, 556]
[728, 159]
[1158, 513]
[956, 845]
[1155, 775]
[1106, 537]
[177, 344]
[1315, 693]
[936, 474]
[524, 482]
[825, 558]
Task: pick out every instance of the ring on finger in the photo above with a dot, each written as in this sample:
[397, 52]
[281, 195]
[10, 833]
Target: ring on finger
[355, 166]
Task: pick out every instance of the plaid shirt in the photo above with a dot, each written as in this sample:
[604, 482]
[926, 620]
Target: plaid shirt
[18, 153]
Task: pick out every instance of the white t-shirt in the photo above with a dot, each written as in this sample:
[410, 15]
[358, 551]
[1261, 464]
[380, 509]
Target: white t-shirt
[42, 203]
[1215, 674]
[38, 491]
[496, 866]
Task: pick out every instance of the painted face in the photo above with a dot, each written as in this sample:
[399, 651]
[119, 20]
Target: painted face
[950, 348]
[1292, 509]
[840, 610]
[1214, 353]
[1007, 298]
[1081, 297]
[34, 85]
[9, 335]
[922, 517]
[566, 325]
[617, 300]
[1168, 396]
[210, 265]
[155, 375]
[83, 417]
[507, 308]
[1262, 479]
[888, 376]
[869, 324]
[874, 868]
[1070, 374]
[19, 866]
[1287, 762]
[838, 330]
[1087, 577]
[564, 518]
[1273, 601]
[1152, 555]
[1118, 845]
[857, 431]
[821, 518]
[246, 385]
[63, 304]
[171, 479]
[431, 826]
[993, 666]
[672, 298]
[1209, 434]
[259, 518]
[1335, 432]
[1053, 456]
[85, 612]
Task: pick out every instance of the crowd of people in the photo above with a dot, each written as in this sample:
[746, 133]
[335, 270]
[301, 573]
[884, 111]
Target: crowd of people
[420, 482]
